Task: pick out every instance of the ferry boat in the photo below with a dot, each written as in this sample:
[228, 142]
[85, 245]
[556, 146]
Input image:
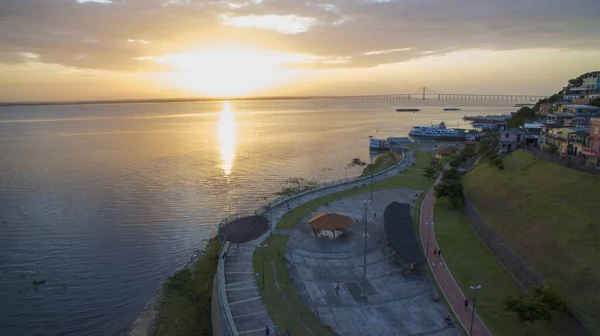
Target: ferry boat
[386, 144]
[439, 132]
[407, 110]
[379, 144]
[398, 140]
[452, 109]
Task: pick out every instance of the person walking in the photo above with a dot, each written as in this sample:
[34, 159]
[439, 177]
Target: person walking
[435, 251]
[276, 330]
[440, 252]
[288, 205]
[466, 303]
[267, 331]
[375, 215]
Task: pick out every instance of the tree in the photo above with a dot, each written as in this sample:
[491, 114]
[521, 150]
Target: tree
[451, 174]
[430, 172]
[539, 305]
[522, 115]
[453, 190]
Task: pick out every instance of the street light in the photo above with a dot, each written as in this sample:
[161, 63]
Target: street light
[262, 262]
[365, 203]
[429, 225]
[475, 289]
[371, 179]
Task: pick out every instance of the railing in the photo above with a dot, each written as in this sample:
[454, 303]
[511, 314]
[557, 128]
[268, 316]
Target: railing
[227, 323]
[285, 199]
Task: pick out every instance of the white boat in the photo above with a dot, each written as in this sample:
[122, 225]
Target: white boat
[439, 132]
[379, 144]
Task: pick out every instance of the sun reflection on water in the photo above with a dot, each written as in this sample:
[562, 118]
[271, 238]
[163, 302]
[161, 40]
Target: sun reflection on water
[227, 135]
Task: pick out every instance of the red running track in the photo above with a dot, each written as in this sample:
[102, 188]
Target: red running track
[452, 292]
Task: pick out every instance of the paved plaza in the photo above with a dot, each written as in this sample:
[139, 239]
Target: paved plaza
[392, 300]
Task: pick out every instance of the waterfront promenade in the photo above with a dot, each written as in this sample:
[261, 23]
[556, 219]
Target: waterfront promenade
[452, 292]
[248, 311]
[243, 296]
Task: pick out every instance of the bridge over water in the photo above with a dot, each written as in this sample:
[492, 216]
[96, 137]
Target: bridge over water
[427, 94]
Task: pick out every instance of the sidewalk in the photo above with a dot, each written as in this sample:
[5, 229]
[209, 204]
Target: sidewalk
[450, 289]
[243, 295]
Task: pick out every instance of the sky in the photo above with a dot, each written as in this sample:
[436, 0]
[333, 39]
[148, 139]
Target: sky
[121, 49]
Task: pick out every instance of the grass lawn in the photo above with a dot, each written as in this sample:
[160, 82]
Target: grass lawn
[472, 264]
[385, 161]
[185, 308]
[411, 178]
[549, 215]
[283, 314]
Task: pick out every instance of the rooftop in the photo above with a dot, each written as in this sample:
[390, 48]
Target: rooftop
[577, 106]
[534, 125]
[446, 150]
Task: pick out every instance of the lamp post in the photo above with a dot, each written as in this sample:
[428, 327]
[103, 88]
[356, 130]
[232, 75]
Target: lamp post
[475, 289]
[371, 199]
[429, 225]
[262, 263]
[365, 203]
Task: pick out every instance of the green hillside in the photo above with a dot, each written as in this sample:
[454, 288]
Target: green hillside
[551, 216]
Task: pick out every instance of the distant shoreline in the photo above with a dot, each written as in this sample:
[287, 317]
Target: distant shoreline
[143, 101]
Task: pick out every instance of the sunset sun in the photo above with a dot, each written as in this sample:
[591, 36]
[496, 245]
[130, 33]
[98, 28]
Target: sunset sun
[223, 72]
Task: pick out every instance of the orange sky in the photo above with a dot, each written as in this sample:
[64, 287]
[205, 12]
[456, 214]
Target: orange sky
[80, 50]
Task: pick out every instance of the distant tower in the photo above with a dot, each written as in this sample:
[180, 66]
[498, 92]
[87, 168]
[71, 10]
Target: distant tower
[423, 93]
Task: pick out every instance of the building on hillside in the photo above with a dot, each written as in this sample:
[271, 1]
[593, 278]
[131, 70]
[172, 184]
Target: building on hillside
[489, 125]
[581, 101]
[559, 118]
[592, 96]
[569, 141]
[572, 97]
[445, 152]
[532, 134]
[592, 149]
[580, 110]
[578, 122]
[589, 82]
[511, 139]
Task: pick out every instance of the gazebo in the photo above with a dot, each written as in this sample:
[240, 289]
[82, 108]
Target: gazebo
[333, 222]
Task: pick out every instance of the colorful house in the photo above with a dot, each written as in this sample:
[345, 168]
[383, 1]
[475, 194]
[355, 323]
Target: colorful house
[592, 150]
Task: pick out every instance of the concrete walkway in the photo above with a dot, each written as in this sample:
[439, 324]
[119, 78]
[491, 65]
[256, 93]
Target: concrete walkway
[390, 300]
[450, 288]
[247, 308]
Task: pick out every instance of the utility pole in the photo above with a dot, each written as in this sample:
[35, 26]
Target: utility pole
[423, 93]
[371, 187]
[475, 289]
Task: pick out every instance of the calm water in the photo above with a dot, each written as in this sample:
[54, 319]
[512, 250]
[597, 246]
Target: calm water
[104, 202]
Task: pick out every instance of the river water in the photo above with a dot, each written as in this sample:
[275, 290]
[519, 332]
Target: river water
[100, 203]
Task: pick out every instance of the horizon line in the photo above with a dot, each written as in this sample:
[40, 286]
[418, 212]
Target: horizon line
[200, 99]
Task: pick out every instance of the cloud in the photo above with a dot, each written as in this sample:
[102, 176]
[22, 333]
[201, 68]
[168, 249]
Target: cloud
[123, 35]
